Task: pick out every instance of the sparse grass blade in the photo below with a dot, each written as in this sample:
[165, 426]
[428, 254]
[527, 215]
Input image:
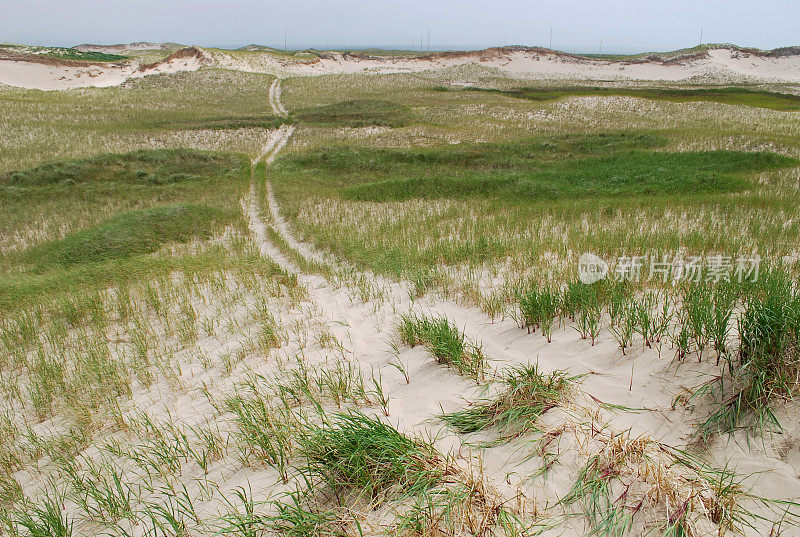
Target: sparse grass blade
[526, 394]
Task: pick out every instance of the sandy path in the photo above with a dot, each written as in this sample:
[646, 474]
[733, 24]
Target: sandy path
[275, 98]
[366, 328]
[275, 142]
[503, 341]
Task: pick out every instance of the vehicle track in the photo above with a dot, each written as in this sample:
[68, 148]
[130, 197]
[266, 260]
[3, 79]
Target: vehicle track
[275, 143]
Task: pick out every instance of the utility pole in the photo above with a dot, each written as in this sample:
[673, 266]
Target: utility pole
[429, 39]
[551, 39]
[601, 46]
[284, 39]
[701, 34]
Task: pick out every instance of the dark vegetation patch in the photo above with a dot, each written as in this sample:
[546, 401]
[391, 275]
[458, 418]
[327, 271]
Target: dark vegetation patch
[142, 167]
[632, 173]
[725, 95]
[87, 55]
[559, 167]
[356, 113]
[62, 53]
[128, 234]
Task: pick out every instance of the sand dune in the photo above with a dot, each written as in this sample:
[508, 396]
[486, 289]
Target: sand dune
[720, 64]
[34, 72]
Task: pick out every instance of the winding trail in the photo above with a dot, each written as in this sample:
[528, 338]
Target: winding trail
[366, 328]
[369, 324]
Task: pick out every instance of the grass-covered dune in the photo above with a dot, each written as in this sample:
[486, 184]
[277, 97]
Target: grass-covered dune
[141, 167]
[87, 222]
[63, 53]
[128, 234]
[52, 200]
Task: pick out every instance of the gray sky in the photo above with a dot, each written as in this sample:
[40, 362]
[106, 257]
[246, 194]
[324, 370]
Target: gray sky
[577, 25]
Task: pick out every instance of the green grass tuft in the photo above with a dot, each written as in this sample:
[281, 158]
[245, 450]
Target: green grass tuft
[446, 343]
[361, 454]
[768, 363]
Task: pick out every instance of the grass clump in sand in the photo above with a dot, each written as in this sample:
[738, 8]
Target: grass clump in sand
[539, 308]
[768, 361]
[300, 516]
[355, 113]
[467, 507]
[356, 453]
[266, 429]
[47, 519]
[445, 342]
[527, 393]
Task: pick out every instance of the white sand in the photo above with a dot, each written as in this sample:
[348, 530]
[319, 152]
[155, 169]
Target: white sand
[721, 64]
[33, 75]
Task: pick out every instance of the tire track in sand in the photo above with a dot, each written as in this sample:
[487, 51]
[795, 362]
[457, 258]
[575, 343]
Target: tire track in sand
[275, 98]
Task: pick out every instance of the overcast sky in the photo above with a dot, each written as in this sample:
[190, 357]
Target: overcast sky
[577, 25]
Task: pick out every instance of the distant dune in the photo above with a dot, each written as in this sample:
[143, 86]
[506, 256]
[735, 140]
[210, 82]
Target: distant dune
[38, 71]
[708, 63]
